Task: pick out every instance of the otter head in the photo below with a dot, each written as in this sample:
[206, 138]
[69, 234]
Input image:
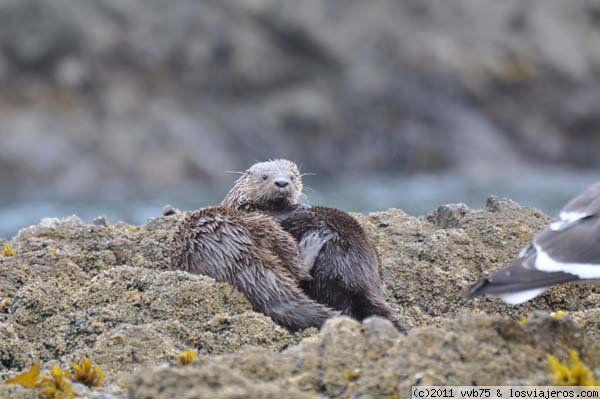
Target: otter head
[272, 185]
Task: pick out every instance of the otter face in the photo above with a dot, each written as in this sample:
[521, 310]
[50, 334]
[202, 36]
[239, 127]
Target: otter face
[273, 183]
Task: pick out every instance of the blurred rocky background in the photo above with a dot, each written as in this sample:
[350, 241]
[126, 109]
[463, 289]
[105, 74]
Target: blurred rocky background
[117, 107]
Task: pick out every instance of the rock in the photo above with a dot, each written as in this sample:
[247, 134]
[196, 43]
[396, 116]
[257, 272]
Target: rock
[127, 88]
[100, 221]
[448, 216]
[106, 292]
[213, 382]
[80, 290]
[350, 360]
[169, 210]
[494, 204]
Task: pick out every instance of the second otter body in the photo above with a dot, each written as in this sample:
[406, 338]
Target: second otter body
[345, 274]
[346, 271]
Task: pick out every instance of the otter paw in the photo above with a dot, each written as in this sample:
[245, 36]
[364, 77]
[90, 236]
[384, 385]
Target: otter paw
[310, 246]
[312, 243]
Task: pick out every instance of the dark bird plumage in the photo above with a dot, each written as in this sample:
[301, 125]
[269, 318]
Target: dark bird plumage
[568, 249]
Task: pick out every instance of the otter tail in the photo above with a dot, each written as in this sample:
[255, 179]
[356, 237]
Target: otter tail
[299, 313]
[399, 324]
[384, 310]
[375, 305]
[278, 296]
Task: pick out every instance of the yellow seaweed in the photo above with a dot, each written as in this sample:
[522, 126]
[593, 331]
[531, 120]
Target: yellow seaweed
[88, 374]
[575, 374]
[7, 250]
[56, 385]
[27, 379]
[558, 314]
[187, 356]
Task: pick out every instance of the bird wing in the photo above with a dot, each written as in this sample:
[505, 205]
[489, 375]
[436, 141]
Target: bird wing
[518, 276]
[567, 250]
[574, 249]
[584, 205]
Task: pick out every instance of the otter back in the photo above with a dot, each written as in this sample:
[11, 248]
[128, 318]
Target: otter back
[253, 253]
[346, 273]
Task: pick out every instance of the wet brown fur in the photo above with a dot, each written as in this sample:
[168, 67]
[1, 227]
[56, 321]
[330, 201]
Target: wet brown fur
[346, 272]
[253, 253]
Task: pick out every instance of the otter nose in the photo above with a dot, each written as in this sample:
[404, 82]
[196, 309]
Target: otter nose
[281, 183]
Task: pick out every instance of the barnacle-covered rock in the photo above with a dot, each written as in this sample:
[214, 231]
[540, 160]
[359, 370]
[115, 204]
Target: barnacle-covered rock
[480, 350]
[75, 290]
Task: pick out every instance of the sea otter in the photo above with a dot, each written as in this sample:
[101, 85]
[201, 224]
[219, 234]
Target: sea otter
[346, 272]
[254, 254]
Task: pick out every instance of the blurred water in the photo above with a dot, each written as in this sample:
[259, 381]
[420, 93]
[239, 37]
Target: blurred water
[547, 190]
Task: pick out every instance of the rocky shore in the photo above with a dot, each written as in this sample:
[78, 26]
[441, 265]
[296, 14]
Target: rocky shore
[105, 291]
[137, 92]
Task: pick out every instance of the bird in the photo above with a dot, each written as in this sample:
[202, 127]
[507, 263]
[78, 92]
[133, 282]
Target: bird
[568, 249]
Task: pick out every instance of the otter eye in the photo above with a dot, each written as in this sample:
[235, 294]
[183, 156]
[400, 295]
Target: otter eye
[265, 177]
[292, 178]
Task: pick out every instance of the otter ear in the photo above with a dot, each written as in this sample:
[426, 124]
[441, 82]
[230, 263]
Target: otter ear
[295, 168]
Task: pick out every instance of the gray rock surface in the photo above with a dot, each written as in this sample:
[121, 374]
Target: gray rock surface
[122, 92]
